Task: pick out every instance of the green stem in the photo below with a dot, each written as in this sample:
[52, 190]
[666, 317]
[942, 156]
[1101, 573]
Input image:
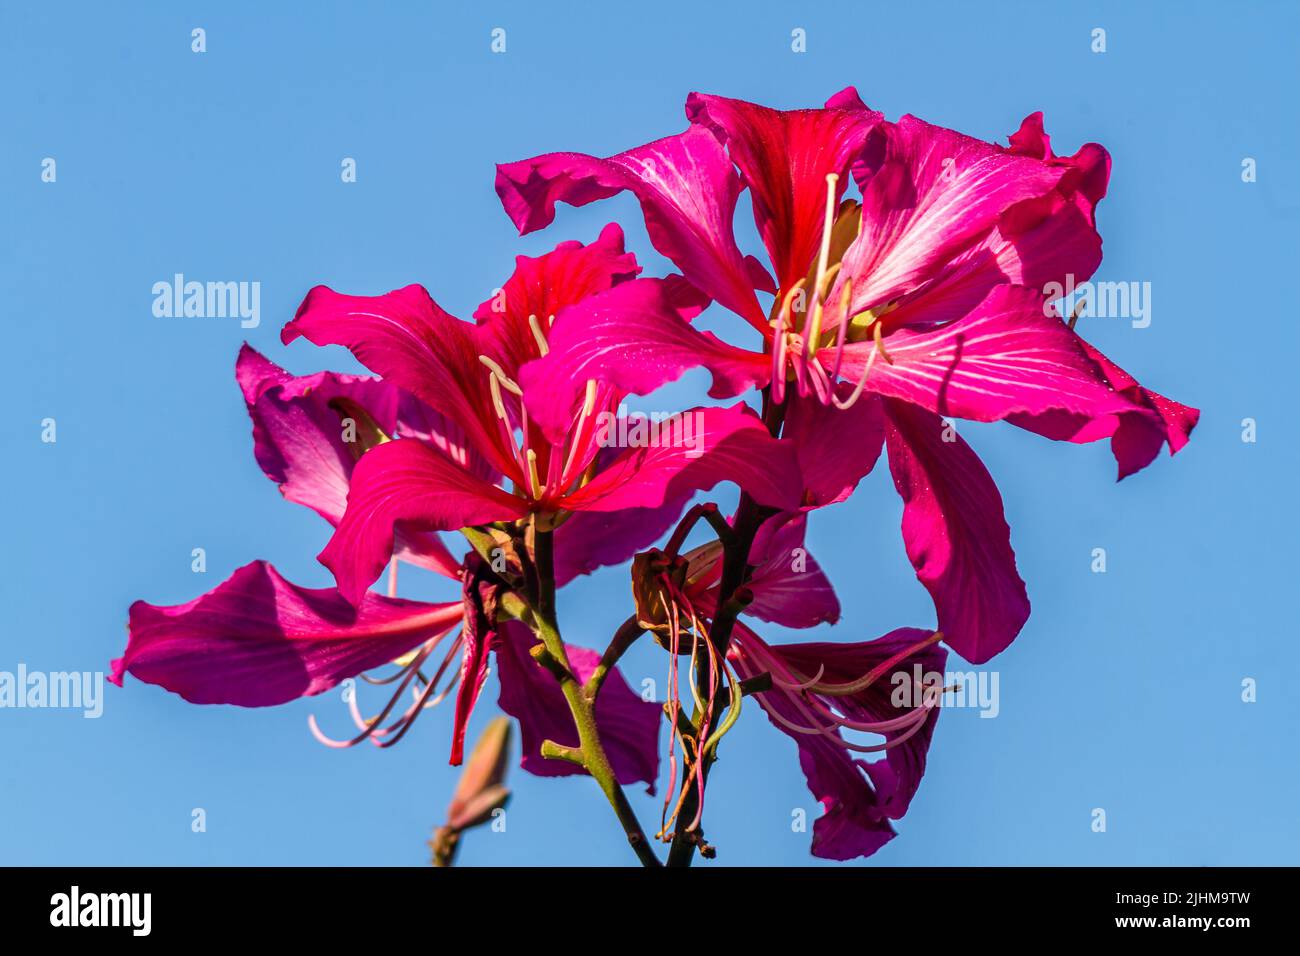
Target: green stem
[623, 638]
[590, 752]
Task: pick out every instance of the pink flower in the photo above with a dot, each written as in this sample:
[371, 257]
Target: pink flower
[470, 374]
[258, 640]
[917, 302]
[832, 699]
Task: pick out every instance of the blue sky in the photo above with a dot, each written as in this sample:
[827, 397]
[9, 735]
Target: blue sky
[1124, 692]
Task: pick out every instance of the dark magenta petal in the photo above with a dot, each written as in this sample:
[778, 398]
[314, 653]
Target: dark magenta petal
[784, 158]
[595, 539]
[298, 439]
[836, 447]
[477, 635]
[726, 444]
[634, 337]
[257, 639]
[853, 824]
[687, 189]
[298, 436]
[955, 533]
[788, 584]
[898, 776]
[628, 725]
[406, 481]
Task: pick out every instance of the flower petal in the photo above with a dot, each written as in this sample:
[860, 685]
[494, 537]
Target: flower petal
[898, 776]
[927, 193]
[595, 539]
[298, 439]
[955, 533]
[543, 287]
[1136, 435]
[687, 189]
[1005, 356]
[257, 639]
[785, 157]
[789, 586]
[408, 339]
[836, 447]
[853, 823]
[407, 481]
[709, 445]
[628, 725]
[635, 338]
[478, 633]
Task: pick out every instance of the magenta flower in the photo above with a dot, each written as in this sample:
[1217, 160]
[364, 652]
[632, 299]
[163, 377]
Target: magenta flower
[258, 640]
[469, 374]
[830, 698]
[908, 270]
[922, 297]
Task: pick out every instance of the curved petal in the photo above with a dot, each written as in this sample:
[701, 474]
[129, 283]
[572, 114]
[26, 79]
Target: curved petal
[785, 157]
[595, 539]
[898, 776]
[543, 287]
[789, 586]
[928, 193]
[636, 338]
[687, 189]
[479, 595]
[408, 339]
[257, 639]
[406, 481]
[301, 443]
[1136, 436]
[704, 446]
[955, 534]
[628, 725]
[1006, 356]
[853, 824]
[297, 433]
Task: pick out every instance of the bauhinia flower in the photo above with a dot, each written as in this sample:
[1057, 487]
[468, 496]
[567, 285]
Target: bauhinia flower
[906, 285]
[469, 373]
[832, 699]
[922, 299]
[257, 639]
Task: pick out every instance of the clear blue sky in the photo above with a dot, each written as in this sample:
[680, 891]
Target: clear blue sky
[1124, 690]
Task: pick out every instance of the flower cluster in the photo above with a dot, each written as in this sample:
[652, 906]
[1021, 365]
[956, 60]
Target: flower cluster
[904, 287]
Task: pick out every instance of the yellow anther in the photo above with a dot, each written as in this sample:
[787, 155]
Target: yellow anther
[880, 344]
[537, 334]
[499, 373]
[589, 402]
[498, 405]
[824, 288]
[534, 482]
[846, 294]
[787, 304]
